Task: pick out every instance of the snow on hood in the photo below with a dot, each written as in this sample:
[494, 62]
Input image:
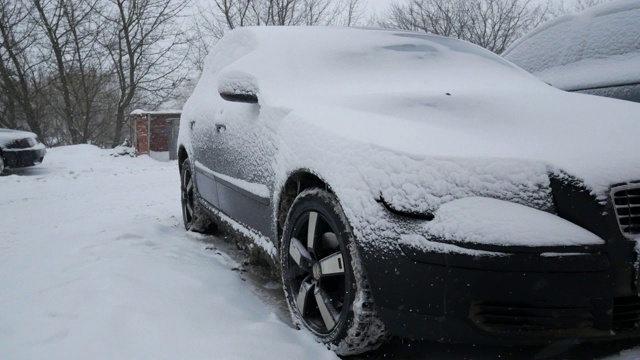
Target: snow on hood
[597, 47]
[7, 136]
[427, 96]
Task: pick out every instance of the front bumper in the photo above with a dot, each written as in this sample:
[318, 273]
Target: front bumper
[476, 305]
[17, 158]
[532, 295]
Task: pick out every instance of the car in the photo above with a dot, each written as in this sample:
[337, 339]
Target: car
[411, 185]
[20, 149]
[596, 51]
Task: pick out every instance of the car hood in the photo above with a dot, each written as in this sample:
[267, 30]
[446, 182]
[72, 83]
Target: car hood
[591, 138]
[7, 135]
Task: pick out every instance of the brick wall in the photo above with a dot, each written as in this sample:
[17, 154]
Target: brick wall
[151, 132]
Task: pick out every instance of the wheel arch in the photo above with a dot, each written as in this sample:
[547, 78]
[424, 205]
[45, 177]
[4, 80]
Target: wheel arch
[297, 182]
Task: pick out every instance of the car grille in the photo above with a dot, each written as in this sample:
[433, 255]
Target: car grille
[531, 317]
[626, 201]
[626, 313]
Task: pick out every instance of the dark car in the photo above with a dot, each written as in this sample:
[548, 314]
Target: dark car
[20, 149]
[417, 185]
[594, 52]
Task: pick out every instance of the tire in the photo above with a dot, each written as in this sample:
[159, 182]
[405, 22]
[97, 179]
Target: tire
[323, 279]
[1, 163]
[193, 216]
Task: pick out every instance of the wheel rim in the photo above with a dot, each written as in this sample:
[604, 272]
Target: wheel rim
[187, 198]
[318, 277]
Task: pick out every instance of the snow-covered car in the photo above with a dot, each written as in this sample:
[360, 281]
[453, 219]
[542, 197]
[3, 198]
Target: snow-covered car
[594, 52]
[20, 149]
[417, 185]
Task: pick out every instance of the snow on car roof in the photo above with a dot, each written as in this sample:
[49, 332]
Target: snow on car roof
[597, 47]
[332, 62]
[421, 95]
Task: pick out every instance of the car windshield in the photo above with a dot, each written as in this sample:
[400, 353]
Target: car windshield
[450, 44]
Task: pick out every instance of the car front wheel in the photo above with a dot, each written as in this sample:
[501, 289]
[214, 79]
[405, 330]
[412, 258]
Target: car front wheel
[324, 282]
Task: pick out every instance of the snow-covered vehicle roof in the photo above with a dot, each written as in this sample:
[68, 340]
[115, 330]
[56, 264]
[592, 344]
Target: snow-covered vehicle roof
[595, 48]
[423, 95]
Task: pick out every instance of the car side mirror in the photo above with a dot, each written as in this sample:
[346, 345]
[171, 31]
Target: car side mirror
[238, 86]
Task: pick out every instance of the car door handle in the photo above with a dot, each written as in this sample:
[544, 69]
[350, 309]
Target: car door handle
[191, 124]
[220, 127]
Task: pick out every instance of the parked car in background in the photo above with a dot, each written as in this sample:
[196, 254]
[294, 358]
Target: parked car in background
[20, 149]
[417, 185]
[595, 52]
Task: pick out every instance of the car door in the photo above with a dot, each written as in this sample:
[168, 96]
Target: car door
[204, 137]
[242, 166]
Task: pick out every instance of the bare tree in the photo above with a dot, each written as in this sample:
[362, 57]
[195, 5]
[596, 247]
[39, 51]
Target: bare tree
[147, 49]
[561, 7]
[493, 24]
[351, 13]
[71, 28]
[18, 66]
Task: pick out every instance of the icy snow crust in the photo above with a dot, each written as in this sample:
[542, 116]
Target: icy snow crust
[597, 47]
[419, 120]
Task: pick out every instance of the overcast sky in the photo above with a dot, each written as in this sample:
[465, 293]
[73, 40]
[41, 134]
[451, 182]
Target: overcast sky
[377, 5]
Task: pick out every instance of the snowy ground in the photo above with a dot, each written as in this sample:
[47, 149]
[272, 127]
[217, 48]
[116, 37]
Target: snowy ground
[95, 264]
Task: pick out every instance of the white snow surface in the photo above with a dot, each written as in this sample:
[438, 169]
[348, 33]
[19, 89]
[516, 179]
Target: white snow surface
[95, 264]
[237, 83]
[489, 221]
[159, 155]
[597, 47]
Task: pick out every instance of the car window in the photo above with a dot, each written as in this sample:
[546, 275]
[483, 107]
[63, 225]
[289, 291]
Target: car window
[626, 92]
[612, 34]
[553, 45]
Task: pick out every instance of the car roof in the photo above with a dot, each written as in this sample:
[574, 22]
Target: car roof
[594, 48]
[293, 62]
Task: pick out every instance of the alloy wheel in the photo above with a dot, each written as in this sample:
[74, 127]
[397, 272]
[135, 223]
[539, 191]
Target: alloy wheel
[317, 267]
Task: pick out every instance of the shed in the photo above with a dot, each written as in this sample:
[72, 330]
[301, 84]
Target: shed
[155, 133]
